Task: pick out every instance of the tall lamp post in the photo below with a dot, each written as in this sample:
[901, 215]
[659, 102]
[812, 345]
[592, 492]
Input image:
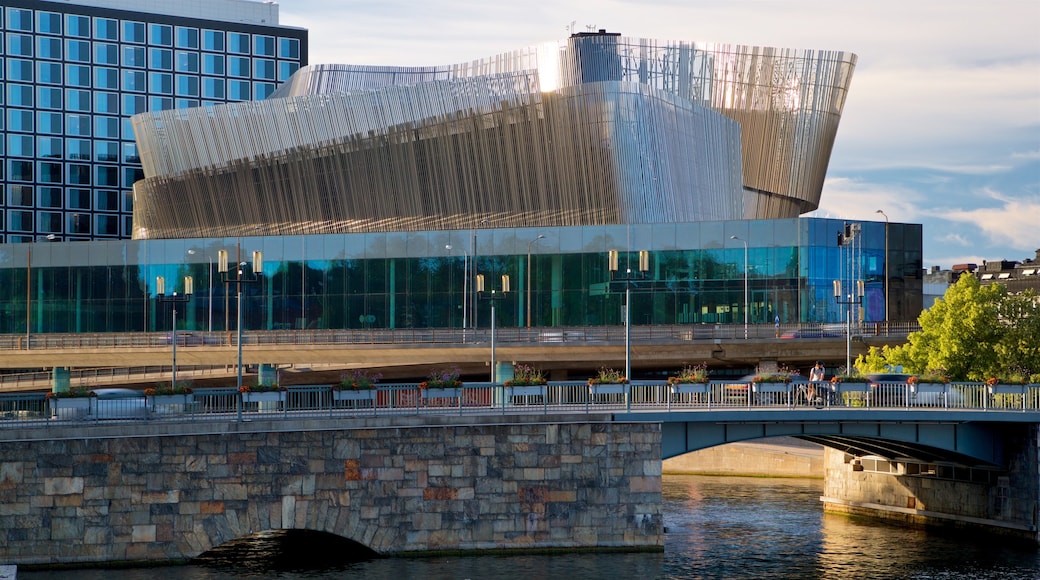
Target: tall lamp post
[492, 297]
[465, 284]
[238, 280]
[854, 298]
[886, 267]
[529, 244]
[746, 297]
[627, 279]
[174, 299]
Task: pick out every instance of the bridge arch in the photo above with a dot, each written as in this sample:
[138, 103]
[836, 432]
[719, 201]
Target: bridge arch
[286, 549]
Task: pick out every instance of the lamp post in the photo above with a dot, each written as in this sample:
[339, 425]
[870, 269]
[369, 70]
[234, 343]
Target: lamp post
[473, 253]
[855, 298]
[746, 299]
[174, 299]
[529, 244]
[465, 284]
[886, 267]
[240, 279]
[492, 297]
[627, 279]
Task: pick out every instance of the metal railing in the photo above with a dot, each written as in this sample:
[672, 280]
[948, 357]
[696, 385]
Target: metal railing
[453, 336]
[227, 404]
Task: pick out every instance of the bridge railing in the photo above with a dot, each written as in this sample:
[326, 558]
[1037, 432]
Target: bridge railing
[663, 333]
[316, 401]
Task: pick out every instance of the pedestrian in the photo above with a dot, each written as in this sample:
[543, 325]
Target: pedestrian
[816, 376]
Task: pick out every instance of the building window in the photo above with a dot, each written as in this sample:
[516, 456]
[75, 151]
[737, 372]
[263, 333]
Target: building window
[77, 75]
[263, 45]
[187, 61]
[49, 222]
[48, 172]
[19, 120]
[238, 90]
[49, 147]
[160, 59]
[19, 95]
[77, 149]
[159, 103]
[133, 56]
[187, 86]
[286, 70]
[78, 174]
[77, 50]
[78, 223]
[48, 98]
[130, 153]
[289, 48]
[160, 35]
[134, 104]
[212, 88]
[132, 175]
[213, 40]
[106, 127]
[106, 29]
[50, 197]
[107, 200]
[262, 90]
[133, 32]
[187, 37]
[238, 66]
[78, 198]
[48, 73]
[213, 64]
[20, 195]
[263, 69]
[77, 125]
[20, 45]
[133, 80]
[19, 221]
[106, 103]
[238, 43]
[48, 48]
[48, 22]
[106, 151]
[18, 19]
[21, 70]
[106, 53]
[106, 176]
[76, 25]
[19, 170]
[20, 146]
[77, 100]
[107, 225]
[161, 83]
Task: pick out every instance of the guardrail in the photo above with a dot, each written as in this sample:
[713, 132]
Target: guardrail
[227, 404]
[442, 336]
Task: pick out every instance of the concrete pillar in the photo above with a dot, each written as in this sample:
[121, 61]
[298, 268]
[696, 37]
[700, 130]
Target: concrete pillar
[267, 374]
[60, 380]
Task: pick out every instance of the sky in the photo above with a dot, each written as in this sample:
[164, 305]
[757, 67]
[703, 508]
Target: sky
[941, 126]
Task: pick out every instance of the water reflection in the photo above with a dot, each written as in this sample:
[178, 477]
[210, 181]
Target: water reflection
[717, 527]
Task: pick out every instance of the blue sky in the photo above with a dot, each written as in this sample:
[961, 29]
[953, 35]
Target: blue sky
[942, 123]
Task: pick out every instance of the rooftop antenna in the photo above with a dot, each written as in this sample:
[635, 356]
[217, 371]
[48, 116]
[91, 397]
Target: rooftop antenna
[570, 28]
[590, 27]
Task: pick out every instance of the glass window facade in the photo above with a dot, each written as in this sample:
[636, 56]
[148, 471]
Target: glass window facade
[72, 76]
[409, 279]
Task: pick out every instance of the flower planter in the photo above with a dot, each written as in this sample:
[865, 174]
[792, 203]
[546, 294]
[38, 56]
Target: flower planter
[352, 395]
[71, 407]
[451, 393]
[853, 387]
[1005, 389]
[771, 387]
[264, 397]
[525, 391]
[170, 403]
[690, 388]
[608, 389]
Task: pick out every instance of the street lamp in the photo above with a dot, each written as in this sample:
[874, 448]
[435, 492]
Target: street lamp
[886, 267]
[473, 253]
[239, 279]
[627, 279]
[540, 236]
[492, 297]
[745, 285]
[174, 299]
[852, 299]
[465, 283]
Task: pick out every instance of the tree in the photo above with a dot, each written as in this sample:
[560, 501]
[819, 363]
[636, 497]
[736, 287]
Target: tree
[972, 333]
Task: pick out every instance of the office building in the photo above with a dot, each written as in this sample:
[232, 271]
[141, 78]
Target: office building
[75, 72]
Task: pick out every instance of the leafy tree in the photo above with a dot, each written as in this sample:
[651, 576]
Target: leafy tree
[973, 332]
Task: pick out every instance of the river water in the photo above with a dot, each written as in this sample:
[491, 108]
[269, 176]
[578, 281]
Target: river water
[717, 527]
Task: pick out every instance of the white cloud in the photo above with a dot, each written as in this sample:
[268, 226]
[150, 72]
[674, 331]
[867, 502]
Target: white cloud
[1012, 222]
[848, 198]
[954, 238]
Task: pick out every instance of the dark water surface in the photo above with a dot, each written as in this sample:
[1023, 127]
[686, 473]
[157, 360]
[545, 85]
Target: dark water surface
[718, 527]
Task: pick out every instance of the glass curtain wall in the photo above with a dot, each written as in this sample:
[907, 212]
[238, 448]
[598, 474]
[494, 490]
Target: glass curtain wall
[411, 280]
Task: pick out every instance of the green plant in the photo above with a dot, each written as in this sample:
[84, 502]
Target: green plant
[939, 376]
[442, 379]
[525, 375]
[73, 393]
[357, 380]
[853, 378]
[608, 376]
[690, 374]
[163, 389]
[259, 388]
[782, 375]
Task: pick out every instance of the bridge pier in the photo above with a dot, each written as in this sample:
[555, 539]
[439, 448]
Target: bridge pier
[1005, 502]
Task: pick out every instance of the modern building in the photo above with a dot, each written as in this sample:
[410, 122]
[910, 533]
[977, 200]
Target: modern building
[75, 71]
[377, 195]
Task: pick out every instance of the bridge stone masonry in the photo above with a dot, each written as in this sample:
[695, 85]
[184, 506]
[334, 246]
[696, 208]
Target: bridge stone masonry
[135, 493]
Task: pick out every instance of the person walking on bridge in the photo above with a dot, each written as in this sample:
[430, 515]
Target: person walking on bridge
[816, 376]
